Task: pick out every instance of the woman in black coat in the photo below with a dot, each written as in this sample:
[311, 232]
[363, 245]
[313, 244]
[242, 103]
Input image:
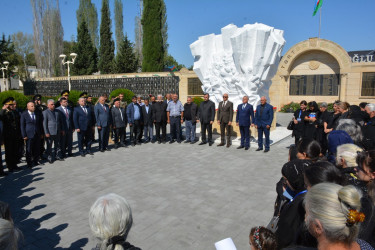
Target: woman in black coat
[299, 124]
[310, 120]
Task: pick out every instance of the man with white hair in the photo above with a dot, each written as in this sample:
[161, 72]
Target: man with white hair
[263, 121]
[159, 115]
[369, 128]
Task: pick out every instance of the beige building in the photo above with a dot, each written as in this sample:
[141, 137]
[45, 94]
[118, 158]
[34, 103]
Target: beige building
[321, 70]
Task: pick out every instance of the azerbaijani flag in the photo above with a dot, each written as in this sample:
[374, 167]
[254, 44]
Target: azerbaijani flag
[318, 5]
[173, 68]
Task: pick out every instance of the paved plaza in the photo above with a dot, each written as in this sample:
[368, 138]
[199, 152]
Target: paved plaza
[182, 196]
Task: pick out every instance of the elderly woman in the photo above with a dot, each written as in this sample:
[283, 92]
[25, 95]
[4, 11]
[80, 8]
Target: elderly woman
[352, 129]
[333, 216]
[110, 221]
[9, 235]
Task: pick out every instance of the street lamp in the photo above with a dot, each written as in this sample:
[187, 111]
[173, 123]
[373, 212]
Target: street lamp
[6, 63]
[73, 56]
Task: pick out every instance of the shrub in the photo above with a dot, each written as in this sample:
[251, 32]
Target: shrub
[290, 107]
[19, 97]
[74, 96]
[197, 100]
[128, 94]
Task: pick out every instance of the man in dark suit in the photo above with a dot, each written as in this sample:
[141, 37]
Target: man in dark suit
[32, 131]
[135, 119]
[83, 123]
[263, 121]
[66, 141]
[369, 129]
[206, 116]
[119, 123]
[53, 129]
[190, 119]
[224, 119]
[159, 115]
[244, 112]
[103, 122]
[148, 123]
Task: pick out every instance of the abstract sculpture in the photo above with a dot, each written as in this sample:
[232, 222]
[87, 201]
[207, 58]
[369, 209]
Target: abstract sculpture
[239, 61]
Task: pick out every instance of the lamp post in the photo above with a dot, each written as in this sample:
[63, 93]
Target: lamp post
[73, 56]
[6, 63]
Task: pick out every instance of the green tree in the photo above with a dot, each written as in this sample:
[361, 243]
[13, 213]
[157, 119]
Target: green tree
[7, 53]
[107, 46]
[119, 24]
[153, 49]
[86, 61]
[164, 27]
[23, 45]
[87, 11]
[126, 60]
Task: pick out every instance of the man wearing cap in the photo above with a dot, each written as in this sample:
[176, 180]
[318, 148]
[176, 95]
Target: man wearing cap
[119, 121]
[53, 130]
[103, 122]
[66, 141]
[11, 133]
[32, 131]
[65, 94]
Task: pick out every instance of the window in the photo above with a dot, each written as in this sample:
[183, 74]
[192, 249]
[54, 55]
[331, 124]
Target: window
[319, 85]
[368, 84]
[194, 86]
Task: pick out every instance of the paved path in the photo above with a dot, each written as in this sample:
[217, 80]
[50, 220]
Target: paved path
[182, 196]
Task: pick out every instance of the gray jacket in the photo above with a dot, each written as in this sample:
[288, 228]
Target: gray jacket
[52, 122]
[117, 122]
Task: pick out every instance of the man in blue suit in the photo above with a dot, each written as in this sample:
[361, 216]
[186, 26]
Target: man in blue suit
[32, 131]
[83, 123]
[244, 112]
[103, 122]
[263, 121]
[66, 141]
[135, 120]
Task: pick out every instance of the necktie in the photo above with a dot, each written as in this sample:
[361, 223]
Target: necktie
[104, 109]
[84, 110]
[122, 119]
[33, 117]
[243, 106]
[223, 104]
[66, 113]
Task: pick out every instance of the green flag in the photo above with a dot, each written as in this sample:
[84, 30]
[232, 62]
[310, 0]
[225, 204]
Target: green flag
[318, 5]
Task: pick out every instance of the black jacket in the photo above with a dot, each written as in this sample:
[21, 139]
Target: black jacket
[206, 112]
[147, 117]
[369, 134]
[159, 112]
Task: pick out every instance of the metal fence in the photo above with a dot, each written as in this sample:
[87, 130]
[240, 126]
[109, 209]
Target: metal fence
[139, 85]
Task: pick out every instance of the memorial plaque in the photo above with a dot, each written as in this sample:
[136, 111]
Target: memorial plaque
[314, 85]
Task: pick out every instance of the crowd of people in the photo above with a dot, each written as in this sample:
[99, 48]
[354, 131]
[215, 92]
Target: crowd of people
[325, 198]
[45, 132]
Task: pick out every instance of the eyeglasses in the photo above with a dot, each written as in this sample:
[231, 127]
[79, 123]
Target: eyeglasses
[225, 96]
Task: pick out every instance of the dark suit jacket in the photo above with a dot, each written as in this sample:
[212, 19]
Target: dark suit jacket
[30, 128]
[207, 112]
[130, 112]
[266, 118]
[117, 121]
[147, 117]
[243, 115]
[102, 117]
[225, 114]
[82, 120]
[52, 122]
[159, 112]
[194, 112]
[68, 121]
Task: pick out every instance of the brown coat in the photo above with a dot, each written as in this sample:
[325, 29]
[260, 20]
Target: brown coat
[225, 114]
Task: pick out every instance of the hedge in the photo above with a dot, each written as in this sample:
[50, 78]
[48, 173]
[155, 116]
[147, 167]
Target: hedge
[197, 100]
[128, 94]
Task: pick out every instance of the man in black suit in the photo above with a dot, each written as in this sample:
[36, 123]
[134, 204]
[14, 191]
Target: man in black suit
[224, 119]
[84, 123]
[66, 141]
[159, 116]
[32, 131]
[119, 122]
[206, 116]
[148, 122]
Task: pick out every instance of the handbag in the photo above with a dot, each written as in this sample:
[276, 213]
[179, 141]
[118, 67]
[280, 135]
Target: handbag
[290, 125]
[273, 225]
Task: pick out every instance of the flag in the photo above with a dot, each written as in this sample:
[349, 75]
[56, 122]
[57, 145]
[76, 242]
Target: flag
[318, 5]
[173, 68]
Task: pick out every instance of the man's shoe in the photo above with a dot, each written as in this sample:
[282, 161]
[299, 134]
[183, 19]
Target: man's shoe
[102, 150]
[152, 141]
[202, 143]
[70, 155]
[159, 142]
[107, 149]
[122, 145]
[210, 144]
[60, 159]
[186, 141]
[221, 144]
[228, 145]
[116, 146]
[172, 141]
[179, 142]
[259, 149]
[90, 152]
[164, 142]
[193, 142]
[138, 143]
[50, 161]
[247, 148]
[240, 147]
[266, 150]
[83, 155]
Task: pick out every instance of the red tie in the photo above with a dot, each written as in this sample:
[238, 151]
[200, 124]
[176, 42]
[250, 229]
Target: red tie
[104, 109]
[66, 113]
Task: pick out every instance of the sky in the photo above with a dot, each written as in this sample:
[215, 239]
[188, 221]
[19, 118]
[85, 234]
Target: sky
[349, 23]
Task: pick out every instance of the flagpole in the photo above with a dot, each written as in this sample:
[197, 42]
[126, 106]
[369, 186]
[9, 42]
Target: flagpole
[320, 21]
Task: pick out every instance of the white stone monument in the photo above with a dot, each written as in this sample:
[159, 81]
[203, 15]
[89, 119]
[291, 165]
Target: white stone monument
[239, 61]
